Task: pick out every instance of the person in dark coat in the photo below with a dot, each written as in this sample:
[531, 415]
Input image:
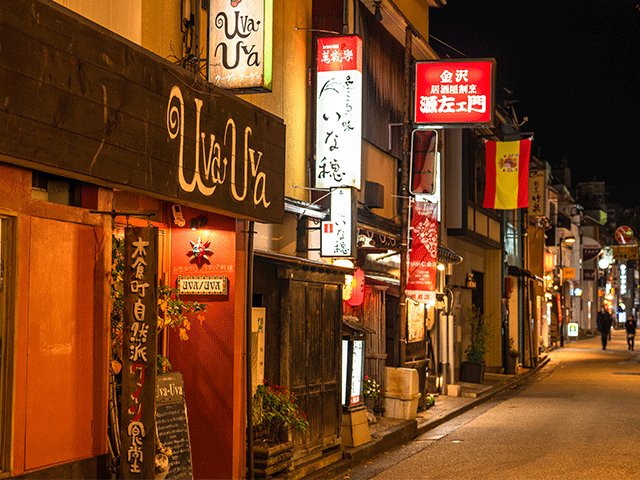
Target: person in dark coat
[630, 326]
[604, 321]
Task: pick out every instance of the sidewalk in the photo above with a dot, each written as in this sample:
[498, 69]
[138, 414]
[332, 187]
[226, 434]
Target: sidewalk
[388, 433]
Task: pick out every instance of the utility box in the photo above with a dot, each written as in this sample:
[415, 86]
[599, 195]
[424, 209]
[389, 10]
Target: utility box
[402, 393]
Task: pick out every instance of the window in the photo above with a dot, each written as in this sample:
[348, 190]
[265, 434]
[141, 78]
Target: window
[7, 302]
[54, 189]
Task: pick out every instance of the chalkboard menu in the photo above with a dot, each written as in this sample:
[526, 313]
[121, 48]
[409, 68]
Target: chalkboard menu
[172, 424]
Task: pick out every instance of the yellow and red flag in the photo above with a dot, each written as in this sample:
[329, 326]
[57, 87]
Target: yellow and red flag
[507, 185]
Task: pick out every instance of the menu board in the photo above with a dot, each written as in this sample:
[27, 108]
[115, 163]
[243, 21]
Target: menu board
[173, 428]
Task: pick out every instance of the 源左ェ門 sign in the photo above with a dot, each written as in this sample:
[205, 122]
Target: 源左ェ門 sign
[455, 93]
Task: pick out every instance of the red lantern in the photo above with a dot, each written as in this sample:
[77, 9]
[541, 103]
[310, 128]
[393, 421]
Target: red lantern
[357, 293]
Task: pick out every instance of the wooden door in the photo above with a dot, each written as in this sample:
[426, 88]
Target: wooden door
[315, 322]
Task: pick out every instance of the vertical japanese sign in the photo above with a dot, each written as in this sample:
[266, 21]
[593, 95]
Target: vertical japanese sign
[140, 327]
[339, 112]
[538, 193]
[423, 254]
[240, 44]
[455, 93]
[338, 236]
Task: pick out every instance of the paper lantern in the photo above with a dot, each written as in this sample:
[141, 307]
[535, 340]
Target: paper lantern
[357, 291]
[549, 261]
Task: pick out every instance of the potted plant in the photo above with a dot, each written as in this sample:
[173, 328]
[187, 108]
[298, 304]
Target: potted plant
[430, 401]
[372, 391]
[275, 413]
[472, 370]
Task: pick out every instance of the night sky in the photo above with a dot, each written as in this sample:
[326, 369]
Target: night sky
[573, 68]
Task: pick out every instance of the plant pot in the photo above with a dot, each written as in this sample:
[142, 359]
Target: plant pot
[370, 403]
[512, 362]
[272, 460]
[471, 372]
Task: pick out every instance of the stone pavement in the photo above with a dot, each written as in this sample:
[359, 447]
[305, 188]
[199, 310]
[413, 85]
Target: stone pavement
[388, 433]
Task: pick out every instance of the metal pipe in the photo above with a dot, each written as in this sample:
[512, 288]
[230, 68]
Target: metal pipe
[404, 192]
[248, 363]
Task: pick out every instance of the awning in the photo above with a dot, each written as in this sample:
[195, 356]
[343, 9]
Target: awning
[447, 256]
[354, 324]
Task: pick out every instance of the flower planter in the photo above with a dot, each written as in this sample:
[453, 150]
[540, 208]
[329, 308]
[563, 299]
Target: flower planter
[271, 461]
[471, 372]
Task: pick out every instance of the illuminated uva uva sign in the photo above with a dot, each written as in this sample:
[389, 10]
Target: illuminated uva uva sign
[339, 112]
[455, 93]
[240, 44]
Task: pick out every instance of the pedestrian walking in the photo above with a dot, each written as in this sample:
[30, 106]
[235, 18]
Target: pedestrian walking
[603, 322]
[630, 326]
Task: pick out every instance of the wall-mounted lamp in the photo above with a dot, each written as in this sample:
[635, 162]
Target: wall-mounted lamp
[198, 222]
[569, 240]
[377, 14]
[178, 218]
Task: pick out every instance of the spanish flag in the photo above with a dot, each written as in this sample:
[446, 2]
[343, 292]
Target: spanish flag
[507, 175]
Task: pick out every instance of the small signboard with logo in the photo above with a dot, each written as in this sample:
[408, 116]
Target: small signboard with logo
[572, 329]
[202, 285]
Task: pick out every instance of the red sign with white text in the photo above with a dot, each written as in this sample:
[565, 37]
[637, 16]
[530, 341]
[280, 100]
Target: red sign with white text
[340, 53]
[455, 93]
[423, 254]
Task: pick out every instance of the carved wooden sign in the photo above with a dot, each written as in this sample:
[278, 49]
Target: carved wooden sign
[139, 352]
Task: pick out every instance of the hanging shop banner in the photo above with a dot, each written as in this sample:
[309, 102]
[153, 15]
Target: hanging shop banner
[507, 185]
[624, 252]
[240, 44]
[538, 205]
[455, 93]
[423, 254]
[338, 236]
[139, 352]
[339, 112]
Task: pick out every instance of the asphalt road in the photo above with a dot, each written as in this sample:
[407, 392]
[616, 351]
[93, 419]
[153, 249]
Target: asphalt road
[577, 418]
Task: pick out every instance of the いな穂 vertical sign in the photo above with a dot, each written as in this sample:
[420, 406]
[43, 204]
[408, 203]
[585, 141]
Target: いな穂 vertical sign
[139, 352]
[455, 93]
[339, 112]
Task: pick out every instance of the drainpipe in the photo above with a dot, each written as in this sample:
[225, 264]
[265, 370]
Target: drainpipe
[404, 193]
[249, 304]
